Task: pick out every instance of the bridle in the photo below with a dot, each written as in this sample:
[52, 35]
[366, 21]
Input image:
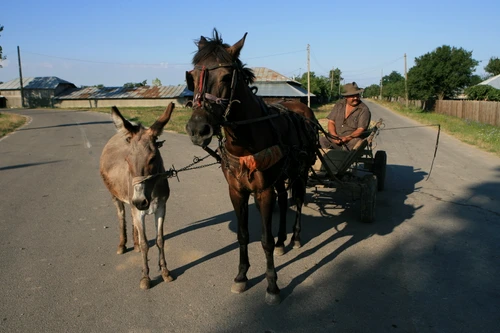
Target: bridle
[202, 97]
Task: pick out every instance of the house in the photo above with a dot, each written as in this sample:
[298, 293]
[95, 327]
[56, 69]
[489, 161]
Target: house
[37, 91]
[273, 86]
[492, 81]
[92, 97]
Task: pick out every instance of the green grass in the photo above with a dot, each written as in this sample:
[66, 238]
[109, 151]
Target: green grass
[9, 122]
[483, 136]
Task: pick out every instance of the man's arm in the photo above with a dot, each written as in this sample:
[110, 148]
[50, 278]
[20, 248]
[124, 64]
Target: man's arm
[333, 131]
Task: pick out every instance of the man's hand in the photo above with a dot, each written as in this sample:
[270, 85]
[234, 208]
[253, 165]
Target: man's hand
[345, 139]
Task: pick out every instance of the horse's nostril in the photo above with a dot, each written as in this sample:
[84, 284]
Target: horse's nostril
[207, 130]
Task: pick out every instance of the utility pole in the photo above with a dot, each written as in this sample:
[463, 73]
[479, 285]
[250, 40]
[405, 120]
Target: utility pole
[20, 76]
[308, 78]
[331, 85]
[339, 84]
[406, 84]
[381, 77]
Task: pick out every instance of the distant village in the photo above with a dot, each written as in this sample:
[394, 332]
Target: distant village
[55, 92]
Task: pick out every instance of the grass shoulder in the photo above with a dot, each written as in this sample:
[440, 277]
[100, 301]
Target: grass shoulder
[9, 122]
[483, 136]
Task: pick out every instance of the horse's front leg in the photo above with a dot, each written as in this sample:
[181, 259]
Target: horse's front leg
[139, 218]
[240, 204]
[159, 219]
[298, 194]
[266, 201]
[283, 206]
[122, 225]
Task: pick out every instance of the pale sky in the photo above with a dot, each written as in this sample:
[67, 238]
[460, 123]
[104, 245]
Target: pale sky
[115, 42]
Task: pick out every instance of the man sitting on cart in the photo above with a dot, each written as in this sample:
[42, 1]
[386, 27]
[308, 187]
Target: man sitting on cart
[348, 120]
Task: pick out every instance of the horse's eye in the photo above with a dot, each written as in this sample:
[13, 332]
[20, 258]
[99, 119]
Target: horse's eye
[227, 78]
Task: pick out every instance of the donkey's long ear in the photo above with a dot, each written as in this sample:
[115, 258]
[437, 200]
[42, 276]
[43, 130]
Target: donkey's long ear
[234, 50]
[121, 123]
[157, 128]
[202, 42]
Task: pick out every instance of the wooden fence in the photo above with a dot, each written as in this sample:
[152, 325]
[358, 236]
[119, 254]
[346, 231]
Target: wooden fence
[481, 111]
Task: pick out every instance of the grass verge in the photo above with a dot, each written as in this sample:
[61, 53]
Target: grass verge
[483, 136]
[9, 122]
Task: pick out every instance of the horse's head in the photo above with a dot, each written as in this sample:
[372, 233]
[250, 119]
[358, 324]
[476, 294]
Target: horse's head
[143, 156]
[216, 80]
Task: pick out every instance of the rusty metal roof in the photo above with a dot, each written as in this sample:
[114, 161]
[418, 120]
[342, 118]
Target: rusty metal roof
[263, 74]
[126, 93]
[280, 89]
[43, 82]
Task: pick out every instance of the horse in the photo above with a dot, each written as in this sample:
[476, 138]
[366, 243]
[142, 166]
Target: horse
[132, 169]
[263, 149]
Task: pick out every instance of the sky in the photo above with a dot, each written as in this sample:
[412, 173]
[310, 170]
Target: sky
[115, 42]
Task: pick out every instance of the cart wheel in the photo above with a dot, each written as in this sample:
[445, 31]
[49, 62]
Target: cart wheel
[368, 198]
[379, 167]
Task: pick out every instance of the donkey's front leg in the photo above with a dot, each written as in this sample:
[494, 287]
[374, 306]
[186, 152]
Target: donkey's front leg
[139, 223]
[159, 219]
[266, 202]
[122, 225]
[240, 204]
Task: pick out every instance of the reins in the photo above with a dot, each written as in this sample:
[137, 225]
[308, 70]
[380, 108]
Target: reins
[173, 172]
[435, 147]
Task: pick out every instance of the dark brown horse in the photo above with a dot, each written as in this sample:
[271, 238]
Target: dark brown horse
[262, 148]
[132, 169]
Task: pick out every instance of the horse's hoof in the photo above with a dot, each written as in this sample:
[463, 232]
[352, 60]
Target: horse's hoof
[167, 277]
[238, 287]
[297, 245]
[121, 250]
[272, 299]
[279, 250]
[145, 283]
[137, 248]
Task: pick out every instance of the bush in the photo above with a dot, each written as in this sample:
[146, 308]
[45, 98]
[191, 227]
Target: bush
[483, 92]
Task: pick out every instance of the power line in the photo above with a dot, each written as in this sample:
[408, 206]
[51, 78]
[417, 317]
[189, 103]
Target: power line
[277, 54]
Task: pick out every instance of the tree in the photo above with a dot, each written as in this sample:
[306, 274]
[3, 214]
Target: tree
[493, 66]
[1, 56]
[442, 73]
[319, 85]
[393, 85]
[134, 85]
[371, 91]
[483, 92]
[335, 77]
[156, 82]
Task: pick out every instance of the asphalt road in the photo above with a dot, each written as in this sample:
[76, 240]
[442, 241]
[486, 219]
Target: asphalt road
[429, 263]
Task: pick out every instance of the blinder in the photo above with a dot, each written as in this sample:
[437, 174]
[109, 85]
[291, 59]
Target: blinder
[190, 81]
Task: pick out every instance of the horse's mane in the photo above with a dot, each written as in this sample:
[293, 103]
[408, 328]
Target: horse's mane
[216, 47]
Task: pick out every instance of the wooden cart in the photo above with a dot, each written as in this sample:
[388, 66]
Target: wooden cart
[359, 170]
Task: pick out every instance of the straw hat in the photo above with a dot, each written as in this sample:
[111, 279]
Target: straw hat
[351, 89]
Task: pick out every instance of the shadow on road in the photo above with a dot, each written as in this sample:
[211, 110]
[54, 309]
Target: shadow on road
[26, 165]
[334, 209]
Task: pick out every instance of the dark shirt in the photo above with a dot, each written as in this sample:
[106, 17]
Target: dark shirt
[359, 117]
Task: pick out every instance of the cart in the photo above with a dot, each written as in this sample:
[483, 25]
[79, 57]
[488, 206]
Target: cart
[359, 171]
